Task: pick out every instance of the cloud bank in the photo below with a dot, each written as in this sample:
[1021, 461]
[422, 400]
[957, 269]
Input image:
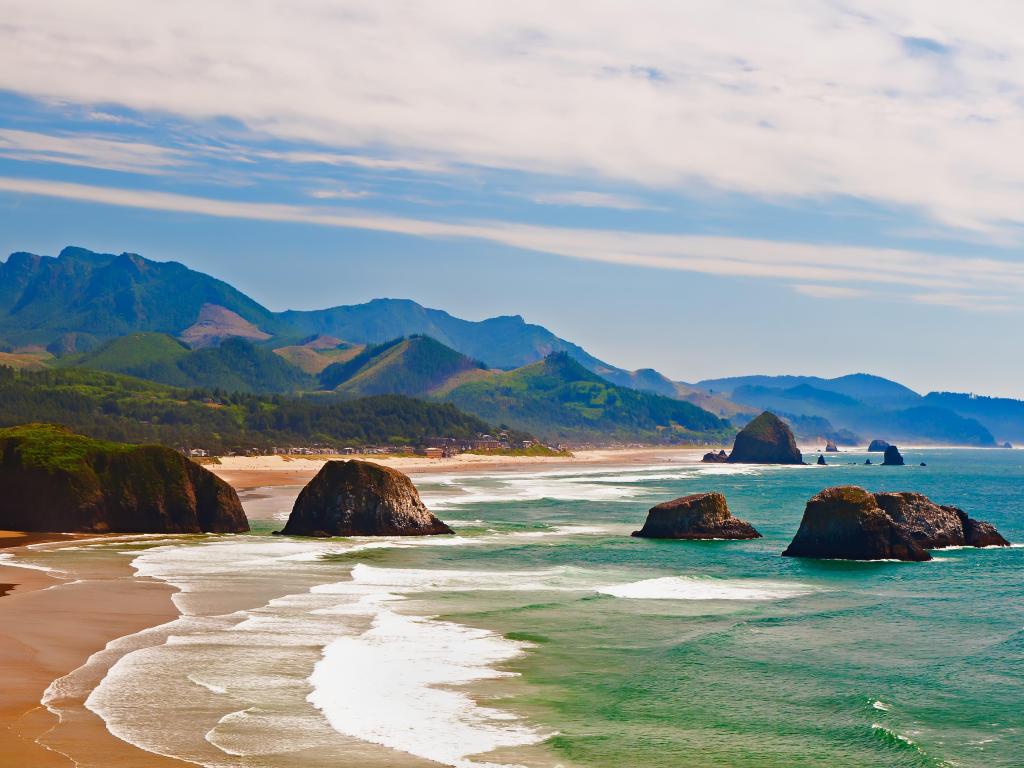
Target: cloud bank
[903, 102]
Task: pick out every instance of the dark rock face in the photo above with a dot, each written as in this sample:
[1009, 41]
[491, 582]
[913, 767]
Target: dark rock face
[766, 440]
[821, 461]
[892, 457]
[699, 516]
[850, 523]
[715, 458]
[55, 480]
[877, 446]
[359, 498]
[1007, 444]
[831, 447]
[846, 523]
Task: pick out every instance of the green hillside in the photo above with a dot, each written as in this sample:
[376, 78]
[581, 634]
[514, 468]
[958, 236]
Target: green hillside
[416, 367]
[236, 365]
[113, 407]
[560, 399]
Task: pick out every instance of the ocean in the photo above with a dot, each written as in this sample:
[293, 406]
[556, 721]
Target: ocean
[542, 634]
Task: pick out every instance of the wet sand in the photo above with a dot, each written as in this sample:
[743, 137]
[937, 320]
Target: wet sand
[50, 626]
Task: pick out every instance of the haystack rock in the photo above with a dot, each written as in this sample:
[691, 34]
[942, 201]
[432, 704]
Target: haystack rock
[55, 480]
[766, 440]
[699, 516]
[851, 524]
[359, 498]
[892, 457]
[831, 447]
[715, 458]
[877, 446]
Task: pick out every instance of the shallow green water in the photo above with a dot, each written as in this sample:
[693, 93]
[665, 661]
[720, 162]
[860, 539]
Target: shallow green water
[873, 664]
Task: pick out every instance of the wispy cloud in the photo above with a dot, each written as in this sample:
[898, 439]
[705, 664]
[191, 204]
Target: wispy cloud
[754, 98]
[586, 199]
[829, 291]
[935, 278]
[338, 192]
[89, 151]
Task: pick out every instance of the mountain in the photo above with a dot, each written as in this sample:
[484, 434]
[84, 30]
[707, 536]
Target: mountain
[1003, 416]
[90, 296]
[863, 387]
[314, 354]
[416, 367]
[560, 399]
[235, 365]
[912, 420]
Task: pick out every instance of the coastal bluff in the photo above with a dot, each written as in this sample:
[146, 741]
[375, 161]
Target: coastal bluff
[698, 516]
[765, 440]
[849, 523]
[57, 481]
[360, 498]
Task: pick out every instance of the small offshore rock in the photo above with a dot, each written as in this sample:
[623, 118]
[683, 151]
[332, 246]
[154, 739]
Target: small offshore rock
[698, 516]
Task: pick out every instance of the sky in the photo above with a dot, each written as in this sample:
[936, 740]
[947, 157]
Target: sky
[706, 188]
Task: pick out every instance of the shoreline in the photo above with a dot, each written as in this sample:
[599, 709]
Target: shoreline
[248, 472]
[36, 648]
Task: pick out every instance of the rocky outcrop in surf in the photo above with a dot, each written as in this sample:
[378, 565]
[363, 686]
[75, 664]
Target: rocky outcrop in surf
[877, 446]
[849, 523]
[359, 498]
[766, 440]
[698, 516]
[893, 457]
[55, 480]
[821, 460]
[831, 447]
[715, 458]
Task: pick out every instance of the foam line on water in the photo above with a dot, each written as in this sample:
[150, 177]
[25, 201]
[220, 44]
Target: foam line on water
[391, 686]
[692, 588]
[6, 558]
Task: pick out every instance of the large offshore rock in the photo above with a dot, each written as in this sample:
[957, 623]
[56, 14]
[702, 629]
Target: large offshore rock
[893, 457]
[850, 523]
[877, 446]
[698, 516]
[359, 498]
[55, 480]
[766, 440]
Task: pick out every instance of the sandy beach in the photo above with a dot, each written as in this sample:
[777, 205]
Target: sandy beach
[245, 472]
[50, 624]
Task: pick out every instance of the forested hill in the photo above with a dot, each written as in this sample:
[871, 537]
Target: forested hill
[114, 407]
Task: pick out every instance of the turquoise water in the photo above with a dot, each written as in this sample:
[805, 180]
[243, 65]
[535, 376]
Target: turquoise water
[876, 664]
[544, 635]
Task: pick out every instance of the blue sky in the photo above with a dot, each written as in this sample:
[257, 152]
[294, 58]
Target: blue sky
[705, 188]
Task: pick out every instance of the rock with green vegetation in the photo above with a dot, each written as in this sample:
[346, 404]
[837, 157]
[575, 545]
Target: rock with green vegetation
[849, 523]
[360, 498]
[766, 440]
[698, 516]
[846, 523]
[55, 480]
[892, 457]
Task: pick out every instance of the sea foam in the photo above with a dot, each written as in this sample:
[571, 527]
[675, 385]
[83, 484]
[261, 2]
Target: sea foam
[692, 588]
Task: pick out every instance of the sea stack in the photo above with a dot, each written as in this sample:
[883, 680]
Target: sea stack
[715, 458]
[766, 440]
[821, 460]
[699, 516]
[892, 457]
[851, 524]
[831, 447]
[359, 498]
[877, 446]
[846, 523]
[55, 480]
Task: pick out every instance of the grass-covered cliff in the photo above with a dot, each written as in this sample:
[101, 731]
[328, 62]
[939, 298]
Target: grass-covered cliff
[56, 480]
